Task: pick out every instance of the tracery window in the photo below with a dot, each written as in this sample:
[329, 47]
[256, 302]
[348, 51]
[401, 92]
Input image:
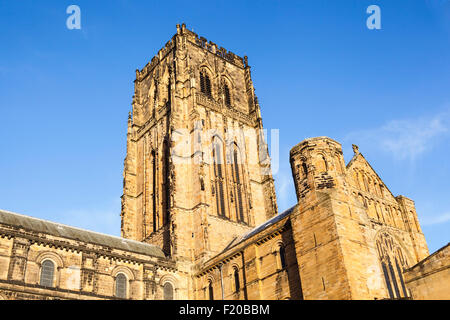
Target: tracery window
[47, 273]
[121, 286]
[393, 262]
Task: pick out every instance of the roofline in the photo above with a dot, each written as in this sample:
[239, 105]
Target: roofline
[232, 250]
[77, 228]
[376, 173]
[429, 257]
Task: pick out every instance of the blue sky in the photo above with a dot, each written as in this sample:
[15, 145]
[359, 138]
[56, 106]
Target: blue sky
[317, 69]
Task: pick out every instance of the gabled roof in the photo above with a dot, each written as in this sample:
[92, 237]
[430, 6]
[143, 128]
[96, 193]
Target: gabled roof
[60, 230]
[260, 228]
[353, 160]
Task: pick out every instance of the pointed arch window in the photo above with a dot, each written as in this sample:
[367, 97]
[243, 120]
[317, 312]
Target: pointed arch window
[219, 177]
[166, 187]
[47, 273]
[154, 189]
[205, 83]
[392, 264]
[238, 185]
[121, 286]
[227, 94]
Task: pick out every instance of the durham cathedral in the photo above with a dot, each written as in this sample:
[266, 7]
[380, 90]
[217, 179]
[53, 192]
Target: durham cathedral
[199, 216]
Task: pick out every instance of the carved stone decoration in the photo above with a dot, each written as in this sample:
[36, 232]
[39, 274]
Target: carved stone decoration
[18, 261]
[355, 149]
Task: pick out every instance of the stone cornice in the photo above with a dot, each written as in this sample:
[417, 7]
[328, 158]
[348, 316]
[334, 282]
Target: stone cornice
[82, 248]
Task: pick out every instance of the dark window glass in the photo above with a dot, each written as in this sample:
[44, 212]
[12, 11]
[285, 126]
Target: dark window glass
[236, 280]
[210, 291]
[388, 281]
[207, 85]
[393, 279]
[202, 83]
[283, 257]
[121, 286]
[305, 169]
[400, 275]
[168, 291]
[47, 272]
[227, 95]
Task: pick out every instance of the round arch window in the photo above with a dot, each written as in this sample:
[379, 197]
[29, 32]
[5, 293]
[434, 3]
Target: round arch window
[168, 291]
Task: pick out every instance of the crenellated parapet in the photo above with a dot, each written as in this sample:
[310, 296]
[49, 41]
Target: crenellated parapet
[212, 47]
[198, 41]
[142, 74]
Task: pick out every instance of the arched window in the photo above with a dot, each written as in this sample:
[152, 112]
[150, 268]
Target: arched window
[219, 177]
[238, 184]
[47, 273]
[205, 83]
[154, 189]
[210, 291]
[322, 165]
[168, 291]
[237, 284]
[166, 187]
[305, 169]
[393, 263]
[282, 252]
[227, 94]
[121, 286]
[366, 185]
[338, 162]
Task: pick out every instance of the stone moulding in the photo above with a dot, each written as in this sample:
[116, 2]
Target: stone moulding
[213, 105]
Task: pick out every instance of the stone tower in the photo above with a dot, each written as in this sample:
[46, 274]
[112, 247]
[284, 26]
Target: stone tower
[353, 238]
[197, 172]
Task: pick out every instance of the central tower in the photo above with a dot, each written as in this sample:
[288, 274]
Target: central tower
[197, 172]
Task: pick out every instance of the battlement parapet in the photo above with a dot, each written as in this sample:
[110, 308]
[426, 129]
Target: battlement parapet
[212, 47]
[197, 40]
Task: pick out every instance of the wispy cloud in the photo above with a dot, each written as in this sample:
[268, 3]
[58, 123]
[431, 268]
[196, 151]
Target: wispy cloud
[405, 139]
[428, 221]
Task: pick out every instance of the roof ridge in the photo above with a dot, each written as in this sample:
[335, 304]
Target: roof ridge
[76, 228]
